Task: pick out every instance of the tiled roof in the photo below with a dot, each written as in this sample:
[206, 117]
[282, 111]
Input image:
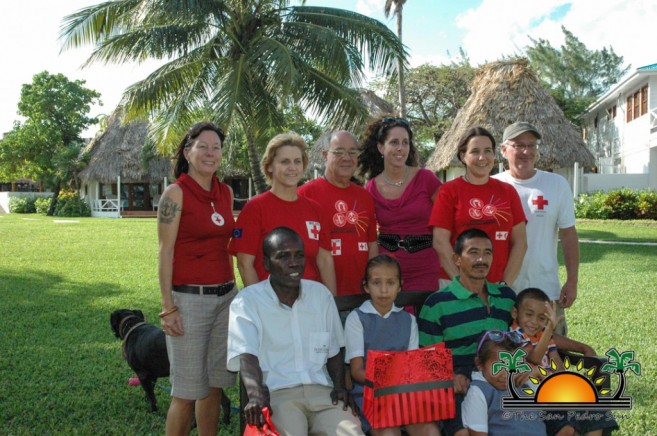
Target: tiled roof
[648, 67]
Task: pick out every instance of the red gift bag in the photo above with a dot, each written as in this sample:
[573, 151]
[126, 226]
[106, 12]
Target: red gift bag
[267, 430]
[408, 387]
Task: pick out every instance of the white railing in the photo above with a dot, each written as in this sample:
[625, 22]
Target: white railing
[106, 205]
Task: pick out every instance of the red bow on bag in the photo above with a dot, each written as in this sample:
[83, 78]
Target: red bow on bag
[408, 387]
[267, 430]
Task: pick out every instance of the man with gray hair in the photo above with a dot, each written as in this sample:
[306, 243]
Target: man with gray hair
[548, 204]
[350, 208]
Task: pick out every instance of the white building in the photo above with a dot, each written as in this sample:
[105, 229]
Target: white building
[620, 130]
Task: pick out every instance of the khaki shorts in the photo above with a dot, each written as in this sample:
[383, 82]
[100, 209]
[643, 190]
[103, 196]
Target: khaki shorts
[308, 410]
[198, 358]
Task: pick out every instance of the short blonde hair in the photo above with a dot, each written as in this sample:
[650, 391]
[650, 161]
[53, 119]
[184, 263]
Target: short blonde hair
[278, 141]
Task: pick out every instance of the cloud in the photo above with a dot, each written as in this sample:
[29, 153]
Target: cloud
[369, 7]
[502, 28]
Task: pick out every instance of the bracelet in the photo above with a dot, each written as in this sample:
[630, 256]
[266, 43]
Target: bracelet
[168, 312]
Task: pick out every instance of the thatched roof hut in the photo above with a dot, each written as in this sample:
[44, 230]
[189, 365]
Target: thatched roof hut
[375, 104]
[504, 92]
[118, 151]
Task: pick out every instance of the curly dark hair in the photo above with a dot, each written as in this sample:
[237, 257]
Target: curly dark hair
[370, 161]
[182, 165]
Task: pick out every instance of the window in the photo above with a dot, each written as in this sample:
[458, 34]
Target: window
[637, 112]
[611, 112]
[637, 104]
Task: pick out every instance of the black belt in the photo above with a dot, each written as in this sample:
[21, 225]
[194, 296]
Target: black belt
[206, 290]
[410, 243]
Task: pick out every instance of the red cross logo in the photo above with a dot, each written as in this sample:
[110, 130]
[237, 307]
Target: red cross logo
[313, 230]
[336, 247]
[539, 202]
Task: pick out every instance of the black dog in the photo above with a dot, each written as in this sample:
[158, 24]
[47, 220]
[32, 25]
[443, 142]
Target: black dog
[145, 350]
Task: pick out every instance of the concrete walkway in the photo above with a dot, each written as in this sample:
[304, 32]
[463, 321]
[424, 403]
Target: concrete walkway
[593, 241]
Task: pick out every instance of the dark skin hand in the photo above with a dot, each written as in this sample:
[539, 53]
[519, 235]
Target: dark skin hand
[335, 368]
[257, 392]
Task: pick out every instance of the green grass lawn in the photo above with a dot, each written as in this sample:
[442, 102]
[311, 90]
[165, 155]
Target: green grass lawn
[61, 370]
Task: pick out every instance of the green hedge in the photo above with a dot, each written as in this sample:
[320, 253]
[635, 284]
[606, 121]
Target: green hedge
[70, 204]
[22, 204]
[42, 204]
[620, 204]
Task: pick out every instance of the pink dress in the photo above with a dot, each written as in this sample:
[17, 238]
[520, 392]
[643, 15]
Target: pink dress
[409, 215]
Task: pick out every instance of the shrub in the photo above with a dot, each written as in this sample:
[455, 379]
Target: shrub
[592, 206]
[22, 204]
[70, 204]
[41, 204]
[646, 205]
[621, 204]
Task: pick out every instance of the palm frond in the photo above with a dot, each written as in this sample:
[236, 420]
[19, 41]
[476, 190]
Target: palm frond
[380, 45]
[94, 24]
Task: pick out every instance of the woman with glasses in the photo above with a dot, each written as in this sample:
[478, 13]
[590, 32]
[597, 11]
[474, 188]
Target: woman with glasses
[283, 165]
[195, 223]
[478, 201]
[403, 196]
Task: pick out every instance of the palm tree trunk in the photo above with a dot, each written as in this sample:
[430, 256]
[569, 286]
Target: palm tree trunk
[511, 387]
[400, 66]
[254, 162]
[621, 385]
[53, 200]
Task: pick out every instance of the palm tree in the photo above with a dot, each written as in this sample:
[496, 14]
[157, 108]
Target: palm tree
[513, 363]
[620, 363]
[399, 6]
[241, 60]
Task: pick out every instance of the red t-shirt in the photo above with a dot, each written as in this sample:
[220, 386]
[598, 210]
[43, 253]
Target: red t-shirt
[493, 207]
[200, 255]
[265, 212]
[352, 224]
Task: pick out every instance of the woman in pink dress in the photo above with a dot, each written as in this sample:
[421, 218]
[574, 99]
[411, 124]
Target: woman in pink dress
[403, 195]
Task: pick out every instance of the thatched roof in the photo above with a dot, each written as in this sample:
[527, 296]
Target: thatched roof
[118, 151]
[504, 92]
[375, 104]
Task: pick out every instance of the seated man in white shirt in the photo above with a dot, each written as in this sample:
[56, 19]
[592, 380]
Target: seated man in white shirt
[285, 338]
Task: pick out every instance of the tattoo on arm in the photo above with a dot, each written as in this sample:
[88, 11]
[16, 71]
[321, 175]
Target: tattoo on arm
[167, 210]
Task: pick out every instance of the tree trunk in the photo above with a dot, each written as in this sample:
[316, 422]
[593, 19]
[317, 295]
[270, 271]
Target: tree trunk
[512, 388]
[400, 67]
[53, 200]
[621, 385]
[254, 162]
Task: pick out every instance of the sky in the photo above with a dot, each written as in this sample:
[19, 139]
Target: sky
[433, 30]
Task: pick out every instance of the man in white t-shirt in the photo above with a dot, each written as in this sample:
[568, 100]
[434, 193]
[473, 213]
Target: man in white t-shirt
[548, 204]
[285, 338]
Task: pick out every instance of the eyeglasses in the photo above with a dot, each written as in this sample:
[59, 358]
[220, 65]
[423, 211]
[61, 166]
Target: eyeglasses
[498, 337]
[390, 120]
[341, 152]
[523, 147]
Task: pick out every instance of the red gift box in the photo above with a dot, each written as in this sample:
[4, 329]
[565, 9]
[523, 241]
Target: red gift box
[408, 387]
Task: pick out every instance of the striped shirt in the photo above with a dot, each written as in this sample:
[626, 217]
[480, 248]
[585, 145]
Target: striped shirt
[458, 317]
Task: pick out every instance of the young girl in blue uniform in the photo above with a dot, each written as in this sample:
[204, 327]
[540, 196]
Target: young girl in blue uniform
[380, 325]
[481, 409]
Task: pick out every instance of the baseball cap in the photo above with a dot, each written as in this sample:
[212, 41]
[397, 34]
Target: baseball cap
[519, 128]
